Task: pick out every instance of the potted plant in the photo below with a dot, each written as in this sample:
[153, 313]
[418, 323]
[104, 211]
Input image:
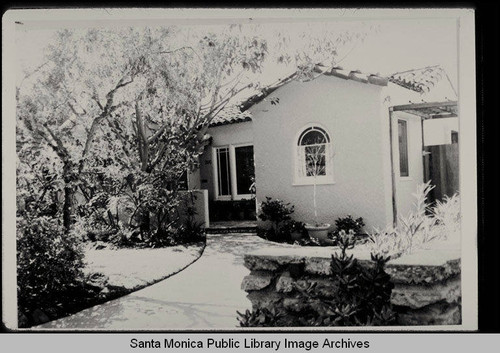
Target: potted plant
[315, 155]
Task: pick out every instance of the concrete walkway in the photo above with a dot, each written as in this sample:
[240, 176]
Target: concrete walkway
[206, 295]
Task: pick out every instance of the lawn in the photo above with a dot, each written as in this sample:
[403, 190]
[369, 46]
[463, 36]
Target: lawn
[136, 268]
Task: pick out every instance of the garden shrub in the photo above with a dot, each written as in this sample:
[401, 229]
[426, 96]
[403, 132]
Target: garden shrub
[49, 267]
[262, 318]
[423, 225]
[183, 229]
[275, 211]
[278, 213]
[361, 296]
[349, 223]
[447, 215]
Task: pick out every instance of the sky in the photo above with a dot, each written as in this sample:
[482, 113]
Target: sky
[408, 44]
[396, 45]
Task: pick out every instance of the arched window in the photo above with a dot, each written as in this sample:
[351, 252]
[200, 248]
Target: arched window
[314, 154]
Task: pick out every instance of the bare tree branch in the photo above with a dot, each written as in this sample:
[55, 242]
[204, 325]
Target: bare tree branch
[179, 49]
[74, 110]
[18, 89]
[108, 109]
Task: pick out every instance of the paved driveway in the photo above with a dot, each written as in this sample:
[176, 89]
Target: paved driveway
[205, 295]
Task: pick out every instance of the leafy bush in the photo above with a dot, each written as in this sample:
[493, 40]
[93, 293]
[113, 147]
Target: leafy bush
[49, 266]
[190, 232]
[420, 227]
[275, 211]
[361, 296]
[349, 223]
[261, 318]
[447, 215]
[278, 213]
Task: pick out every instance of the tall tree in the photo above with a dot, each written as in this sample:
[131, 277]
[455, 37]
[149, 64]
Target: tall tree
[121, 113]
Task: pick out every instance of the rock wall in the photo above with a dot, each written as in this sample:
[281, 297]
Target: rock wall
[427, 287]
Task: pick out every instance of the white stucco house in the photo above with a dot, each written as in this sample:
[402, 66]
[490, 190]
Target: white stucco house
[374, 135]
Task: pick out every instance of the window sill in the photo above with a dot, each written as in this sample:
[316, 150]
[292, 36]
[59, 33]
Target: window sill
[311, 182]
[405, 178]
[222, 198]
[243, 197]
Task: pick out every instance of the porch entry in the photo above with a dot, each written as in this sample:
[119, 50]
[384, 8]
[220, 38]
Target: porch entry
[234, 183]
[438, 127]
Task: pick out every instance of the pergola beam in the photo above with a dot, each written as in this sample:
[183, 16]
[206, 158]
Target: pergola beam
[418, 106]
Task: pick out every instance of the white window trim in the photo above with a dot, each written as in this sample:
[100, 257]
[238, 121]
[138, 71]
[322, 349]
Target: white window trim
[232, 166]
[215, 172]
[408, 145]
[307, 180]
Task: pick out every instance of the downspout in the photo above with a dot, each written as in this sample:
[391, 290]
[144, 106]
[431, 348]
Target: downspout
[393, 177]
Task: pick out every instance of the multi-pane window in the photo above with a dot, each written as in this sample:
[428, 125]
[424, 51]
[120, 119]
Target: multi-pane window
[235, 172]
[314, 157]
[403, 148]
[223, 172]
[245, 169]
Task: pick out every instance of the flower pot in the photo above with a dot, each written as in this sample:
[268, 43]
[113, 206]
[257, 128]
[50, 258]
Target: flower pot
[319, 231]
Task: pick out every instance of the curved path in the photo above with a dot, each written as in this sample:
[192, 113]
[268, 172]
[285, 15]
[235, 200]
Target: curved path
[206, 295]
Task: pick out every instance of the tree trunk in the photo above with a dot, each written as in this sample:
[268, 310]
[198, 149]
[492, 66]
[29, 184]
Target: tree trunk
[69, 192]
[141, 138]
[314, 202]
[68, 207]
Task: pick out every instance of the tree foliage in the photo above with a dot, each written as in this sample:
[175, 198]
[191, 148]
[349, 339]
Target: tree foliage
[117, 116]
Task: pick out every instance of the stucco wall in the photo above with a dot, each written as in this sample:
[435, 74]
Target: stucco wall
[235, 134]
[350, 111]
[438, 131]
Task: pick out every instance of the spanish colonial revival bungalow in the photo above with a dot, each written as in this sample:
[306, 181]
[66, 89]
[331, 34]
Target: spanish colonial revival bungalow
[378, 138]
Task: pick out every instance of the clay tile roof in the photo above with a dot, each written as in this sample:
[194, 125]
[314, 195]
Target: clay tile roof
[230, 115]
[238, 113]
[419, 80]
[356, 75]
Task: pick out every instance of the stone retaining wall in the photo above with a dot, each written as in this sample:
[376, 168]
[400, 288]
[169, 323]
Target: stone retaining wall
[427, 287]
